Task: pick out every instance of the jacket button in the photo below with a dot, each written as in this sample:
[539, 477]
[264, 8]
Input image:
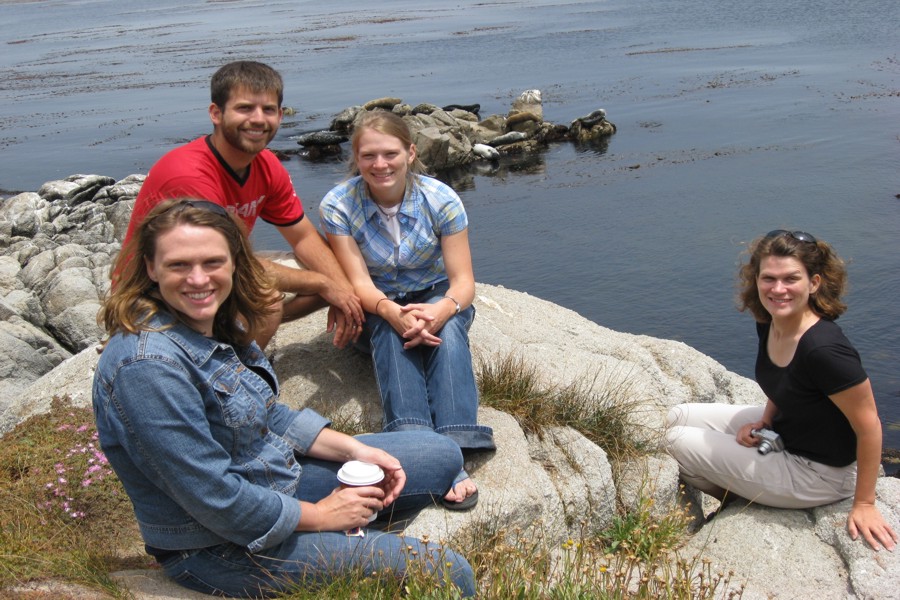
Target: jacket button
[264, 431]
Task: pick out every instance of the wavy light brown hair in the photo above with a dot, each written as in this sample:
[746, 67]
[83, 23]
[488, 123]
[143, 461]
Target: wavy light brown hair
[390, 124]
[254, 76]
[818, 258]
[134, 297]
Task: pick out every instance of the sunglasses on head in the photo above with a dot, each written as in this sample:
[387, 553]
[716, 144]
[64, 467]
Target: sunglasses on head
[181, 205]
[800, 236]
[204, 205]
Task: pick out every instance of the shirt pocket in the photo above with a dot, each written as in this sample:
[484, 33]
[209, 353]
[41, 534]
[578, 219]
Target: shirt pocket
[239, 407]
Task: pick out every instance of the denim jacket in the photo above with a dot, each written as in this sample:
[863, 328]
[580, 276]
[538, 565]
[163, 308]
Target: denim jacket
[193, 430]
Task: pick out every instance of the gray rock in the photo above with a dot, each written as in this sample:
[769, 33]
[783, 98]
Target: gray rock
[75, 189]
[9, 271]
[771, 550]
[321, 138]
[343, 122]
[653, 477]
[28, 354]
[445, 136]
[123, 190]
[872, 575]
[442, 147]
[76, 326]
[26, 305]
[24, 213]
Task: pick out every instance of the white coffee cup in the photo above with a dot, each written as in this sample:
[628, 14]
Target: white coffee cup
[356, 473]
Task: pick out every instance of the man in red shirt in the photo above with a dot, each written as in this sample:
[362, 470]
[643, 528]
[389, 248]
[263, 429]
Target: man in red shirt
[232, 167]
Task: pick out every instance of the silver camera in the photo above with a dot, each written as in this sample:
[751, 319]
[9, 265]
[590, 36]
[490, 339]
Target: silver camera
[768, 441]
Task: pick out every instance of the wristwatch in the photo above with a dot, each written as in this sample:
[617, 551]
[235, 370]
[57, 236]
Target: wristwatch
[452, 299]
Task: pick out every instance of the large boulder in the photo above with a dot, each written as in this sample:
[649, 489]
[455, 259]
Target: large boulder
[801, 553]
[560, 478]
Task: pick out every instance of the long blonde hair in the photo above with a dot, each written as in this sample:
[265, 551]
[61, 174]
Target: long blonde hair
[134, 298]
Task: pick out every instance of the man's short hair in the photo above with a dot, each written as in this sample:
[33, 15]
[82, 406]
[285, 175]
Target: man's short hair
[255, 76]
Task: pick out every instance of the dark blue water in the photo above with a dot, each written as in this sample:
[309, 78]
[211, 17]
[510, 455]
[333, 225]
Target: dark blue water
[733, 118]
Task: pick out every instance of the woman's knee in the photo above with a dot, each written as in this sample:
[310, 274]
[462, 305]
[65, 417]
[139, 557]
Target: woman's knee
[676, 415]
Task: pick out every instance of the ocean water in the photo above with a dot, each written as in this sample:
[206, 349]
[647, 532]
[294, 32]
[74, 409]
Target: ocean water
[733, 118]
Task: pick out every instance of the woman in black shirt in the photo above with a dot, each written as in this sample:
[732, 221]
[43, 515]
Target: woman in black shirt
[820, 410]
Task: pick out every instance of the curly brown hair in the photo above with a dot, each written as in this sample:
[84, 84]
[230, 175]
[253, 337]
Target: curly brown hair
[134, 298]
[817, 257]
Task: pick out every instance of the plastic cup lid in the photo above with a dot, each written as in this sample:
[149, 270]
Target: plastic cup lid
[356, 472]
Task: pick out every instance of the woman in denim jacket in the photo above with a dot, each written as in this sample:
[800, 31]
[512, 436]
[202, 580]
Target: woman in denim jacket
[235, 494]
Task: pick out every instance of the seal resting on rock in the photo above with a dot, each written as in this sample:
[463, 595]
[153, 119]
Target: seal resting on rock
[472, 108]
[485, 151]
[508, 138]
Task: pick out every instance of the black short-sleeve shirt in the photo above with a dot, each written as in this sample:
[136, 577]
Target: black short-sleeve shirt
[810, 424]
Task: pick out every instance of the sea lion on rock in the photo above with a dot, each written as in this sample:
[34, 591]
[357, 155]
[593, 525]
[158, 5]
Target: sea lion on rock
[386, 103]
[508, 138]
[521, 117]
[472, 108]
[485, 151]
[592, 119]
[424, 109]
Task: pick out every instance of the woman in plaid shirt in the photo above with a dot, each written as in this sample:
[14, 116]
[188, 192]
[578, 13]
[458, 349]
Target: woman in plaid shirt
[402, 239]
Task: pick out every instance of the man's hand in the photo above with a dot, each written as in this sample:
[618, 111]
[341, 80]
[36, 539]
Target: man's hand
[344, 331]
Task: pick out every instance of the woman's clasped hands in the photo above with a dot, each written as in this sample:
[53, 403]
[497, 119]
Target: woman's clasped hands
[422, 322]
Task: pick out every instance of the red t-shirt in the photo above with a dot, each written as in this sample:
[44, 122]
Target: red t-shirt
[196, 170]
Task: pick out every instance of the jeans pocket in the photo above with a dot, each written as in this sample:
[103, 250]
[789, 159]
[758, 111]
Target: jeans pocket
[192, 582]
[177, 569]
[223, 570]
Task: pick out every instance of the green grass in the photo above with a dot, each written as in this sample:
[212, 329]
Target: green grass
[64, 515]
[601, 409]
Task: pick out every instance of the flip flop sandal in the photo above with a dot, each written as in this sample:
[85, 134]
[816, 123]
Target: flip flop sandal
[467, 504]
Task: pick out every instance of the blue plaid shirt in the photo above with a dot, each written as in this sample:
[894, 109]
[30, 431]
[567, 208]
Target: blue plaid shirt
[429, 210]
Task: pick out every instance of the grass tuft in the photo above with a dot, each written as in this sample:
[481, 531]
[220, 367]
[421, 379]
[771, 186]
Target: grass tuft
[602, 411]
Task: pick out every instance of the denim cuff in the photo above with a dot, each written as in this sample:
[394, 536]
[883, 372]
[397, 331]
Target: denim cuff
[467, 437]
[286, 524]
[408, 425]
[470, 437]
[304, 430]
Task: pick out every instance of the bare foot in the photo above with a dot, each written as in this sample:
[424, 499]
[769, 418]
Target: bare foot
[461, 491]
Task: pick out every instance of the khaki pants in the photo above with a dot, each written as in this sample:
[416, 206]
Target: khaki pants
[701, 437]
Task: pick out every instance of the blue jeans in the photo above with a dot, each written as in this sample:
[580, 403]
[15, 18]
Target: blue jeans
[430, 461]
[429, 387]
